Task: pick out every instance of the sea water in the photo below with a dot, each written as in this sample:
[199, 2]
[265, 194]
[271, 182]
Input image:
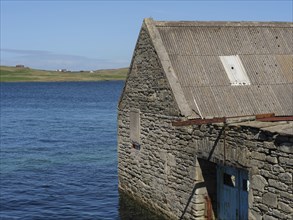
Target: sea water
[58, 155]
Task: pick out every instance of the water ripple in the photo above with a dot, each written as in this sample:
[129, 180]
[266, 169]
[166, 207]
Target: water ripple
[58, 152]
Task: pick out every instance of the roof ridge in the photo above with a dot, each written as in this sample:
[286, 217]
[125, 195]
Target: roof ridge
[223, 24]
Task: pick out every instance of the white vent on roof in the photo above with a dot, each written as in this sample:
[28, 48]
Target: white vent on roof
[235, 70]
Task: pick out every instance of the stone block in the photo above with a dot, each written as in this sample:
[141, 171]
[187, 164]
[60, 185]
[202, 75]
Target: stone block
[269, 145]
[287, 148]
[268, 174]
[263, 207]
[270, 199]
[250, 199]
[263, 150]
[258, 199]
[257, 163]
[199, 199]
[286, 195]
[258, 156]
[163, 154]
[272, 189]
[254, 215]
[198, 207]
[167, 170]
[201, 191]
[285, 160]
[278, 184]
[279, 215]
[193, 173]
[272, 160]
[267, 166]
[285, 207]
[285, 177]
[258, 182]
[242, 156]
[277, 169]
[269, 217]
[198, 213]
[171, 160]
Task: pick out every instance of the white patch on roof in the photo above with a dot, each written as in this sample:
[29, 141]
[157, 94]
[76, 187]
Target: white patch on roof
[235, 70]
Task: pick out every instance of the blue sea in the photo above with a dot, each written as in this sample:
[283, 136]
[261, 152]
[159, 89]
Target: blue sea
[58, 157]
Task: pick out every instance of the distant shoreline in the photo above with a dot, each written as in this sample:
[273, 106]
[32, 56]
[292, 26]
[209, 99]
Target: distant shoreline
[24, 74]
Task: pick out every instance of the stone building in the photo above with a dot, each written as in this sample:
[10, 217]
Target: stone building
[205, 120]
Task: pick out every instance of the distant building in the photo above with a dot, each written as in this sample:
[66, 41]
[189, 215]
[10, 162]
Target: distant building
[195, 140]
[61, 70]
[19, 66]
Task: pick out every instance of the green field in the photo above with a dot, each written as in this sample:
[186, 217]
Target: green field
[18, 74]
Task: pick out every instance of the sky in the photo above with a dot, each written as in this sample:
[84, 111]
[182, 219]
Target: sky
[91, 35]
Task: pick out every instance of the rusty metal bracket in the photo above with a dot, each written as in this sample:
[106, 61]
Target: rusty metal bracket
[276, 118]
[269, 117]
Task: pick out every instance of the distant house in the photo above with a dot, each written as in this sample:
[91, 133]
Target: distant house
[204, 120]
[19, 66]
[61, 70]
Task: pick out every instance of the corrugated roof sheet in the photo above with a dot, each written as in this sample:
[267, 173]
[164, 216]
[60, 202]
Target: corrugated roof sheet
[265, 50]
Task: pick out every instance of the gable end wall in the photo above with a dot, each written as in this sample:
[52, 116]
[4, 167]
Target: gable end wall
[147, 91]
[146, 86]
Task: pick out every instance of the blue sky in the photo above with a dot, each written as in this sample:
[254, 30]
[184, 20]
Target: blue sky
[89, 35]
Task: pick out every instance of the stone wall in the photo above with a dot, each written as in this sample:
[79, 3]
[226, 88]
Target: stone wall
[268, 156]
[163, 173]
[167, 174]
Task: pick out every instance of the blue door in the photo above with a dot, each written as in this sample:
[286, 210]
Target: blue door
[232, 193]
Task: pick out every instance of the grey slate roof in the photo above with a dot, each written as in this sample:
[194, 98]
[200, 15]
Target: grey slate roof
[189, 53]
